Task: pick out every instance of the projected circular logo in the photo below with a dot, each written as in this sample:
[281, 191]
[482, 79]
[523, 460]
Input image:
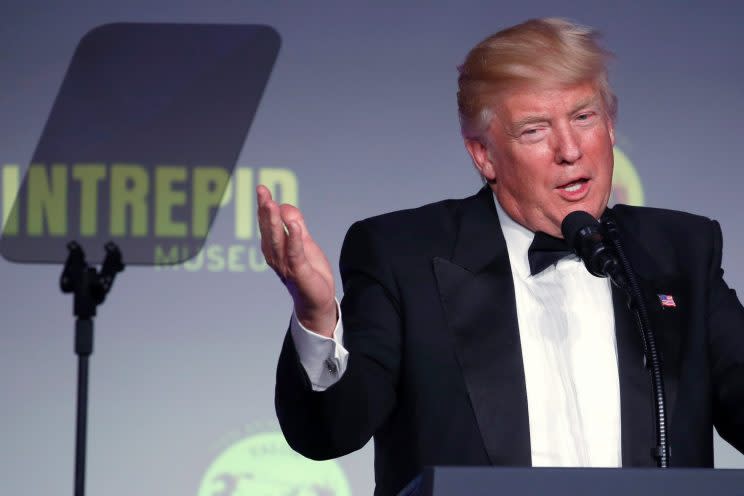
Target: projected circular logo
[626, 183]
[264, 465]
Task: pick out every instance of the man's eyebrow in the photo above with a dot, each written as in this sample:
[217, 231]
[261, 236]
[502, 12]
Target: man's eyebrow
[590, 101]
[530, 119]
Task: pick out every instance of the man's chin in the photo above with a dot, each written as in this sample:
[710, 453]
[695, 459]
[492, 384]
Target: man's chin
[556, 223]
[593, 208]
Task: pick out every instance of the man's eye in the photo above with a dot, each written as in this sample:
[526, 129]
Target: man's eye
[528, 132]
[584, 117]
[532, 134]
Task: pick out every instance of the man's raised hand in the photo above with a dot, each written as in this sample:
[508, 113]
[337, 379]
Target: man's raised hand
[299, 263]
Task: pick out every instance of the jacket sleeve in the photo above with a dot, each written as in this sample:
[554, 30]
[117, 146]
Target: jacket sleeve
[726, 348]
[341, 419]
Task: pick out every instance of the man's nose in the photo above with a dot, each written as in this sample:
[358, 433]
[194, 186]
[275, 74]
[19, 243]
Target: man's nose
[567, 146]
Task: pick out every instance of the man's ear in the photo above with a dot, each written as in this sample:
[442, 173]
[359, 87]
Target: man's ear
[612, 132]
[481, 158]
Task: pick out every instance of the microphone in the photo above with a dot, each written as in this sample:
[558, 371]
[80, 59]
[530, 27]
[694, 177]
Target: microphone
[583, 233]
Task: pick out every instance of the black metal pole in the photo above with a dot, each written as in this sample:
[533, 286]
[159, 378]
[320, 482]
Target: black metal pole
[83, 349]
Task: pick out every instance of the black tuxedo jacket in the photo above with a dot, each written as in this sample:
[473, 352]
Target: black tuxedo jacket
[435, 369]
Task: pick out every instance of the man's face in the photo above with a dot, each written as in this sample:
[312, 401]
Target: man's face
[548, 152]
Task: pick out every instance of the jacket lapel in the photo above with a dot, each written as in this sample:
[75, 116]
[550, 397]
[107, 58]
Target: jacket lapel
[477, 294]
[636, 407]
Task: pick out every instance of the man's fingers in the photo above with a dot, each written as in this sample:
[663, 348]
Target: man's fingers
[264, 198]
[295, 248]
[272, 230]
[263, 227]
[292, 214]
[277, 236]
[283, 235]
[263, 194]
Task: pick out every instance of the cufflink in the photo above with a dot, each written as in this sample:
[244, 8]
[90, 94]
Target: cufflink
[331, 366]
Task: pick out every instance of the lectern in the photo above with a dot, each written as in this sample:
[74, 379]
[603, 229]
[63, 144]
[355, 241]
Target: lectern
[490, 481]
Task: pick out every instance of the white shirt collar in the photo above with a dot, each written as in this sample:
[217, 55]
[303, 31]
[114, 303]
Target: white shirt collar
[518, 240]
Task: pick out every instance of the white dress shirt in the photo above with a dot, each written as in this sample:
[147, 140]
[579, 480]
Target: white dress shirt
[567, 331]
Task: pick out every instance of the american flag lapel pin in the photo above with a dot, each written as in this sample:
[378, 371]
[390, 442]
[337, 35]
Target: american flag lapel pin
[667, 301]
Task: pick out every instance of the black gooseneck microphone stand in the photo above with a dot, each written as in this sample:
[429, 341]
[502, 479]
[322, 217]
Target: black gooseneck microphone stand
[89, 288]
[662, 451]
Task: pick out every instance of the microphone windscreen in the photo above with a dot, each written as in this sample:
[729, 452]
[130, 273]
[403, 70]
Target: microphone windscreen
[575, 222]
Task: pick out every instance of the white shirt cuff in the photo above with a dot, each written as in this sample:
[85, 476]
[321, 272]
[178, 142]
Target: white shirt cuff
[323, 358]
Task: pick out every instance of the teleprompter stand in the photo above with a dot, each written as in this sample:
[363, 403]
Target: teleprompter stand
[197, 74]
[89, 288]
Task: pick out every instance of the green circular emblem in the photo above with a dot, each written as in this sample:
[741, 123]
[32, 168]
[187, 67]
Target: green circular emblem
[264, 465]
[626, 184]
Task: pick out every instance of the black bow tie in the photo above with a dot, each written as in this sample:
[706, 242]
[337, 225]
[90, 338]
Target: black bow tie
[545, 251]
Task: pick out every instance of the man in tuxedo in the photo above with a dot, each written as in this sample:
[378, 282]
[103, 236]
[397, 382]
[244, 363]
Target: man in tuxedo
[457, 343]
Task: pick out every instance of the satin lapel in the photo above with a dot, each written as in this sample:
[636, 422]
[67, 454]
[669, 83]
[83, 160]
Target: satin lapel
[636, 407]
[477, 294]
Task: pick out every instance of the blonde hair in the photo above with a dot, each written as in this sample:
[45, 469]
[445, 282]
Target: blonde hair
[547, 51]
